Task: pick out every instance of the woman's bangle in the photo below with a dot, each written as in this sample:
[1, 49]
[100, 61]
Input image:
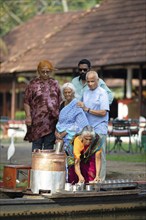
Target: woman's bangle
[88, 110]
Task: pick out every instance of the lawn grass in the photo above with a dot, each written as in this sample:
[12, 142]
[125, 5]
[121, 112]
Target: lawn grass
[8, 140]
[138, 158]
[1, 171]
[121, 155]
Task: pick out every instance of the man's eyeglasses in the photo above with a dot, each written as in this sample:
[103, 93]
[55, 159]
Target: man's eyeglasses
[83, 69]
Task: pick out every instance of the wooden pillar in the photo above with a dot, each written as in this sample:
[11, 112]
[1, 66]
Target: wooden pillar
[13, 98]
[140, 90]
[4, 110]
[124, 96]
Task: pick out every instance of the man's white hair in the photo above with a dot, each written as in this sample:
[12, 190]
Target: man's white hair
[92, 72]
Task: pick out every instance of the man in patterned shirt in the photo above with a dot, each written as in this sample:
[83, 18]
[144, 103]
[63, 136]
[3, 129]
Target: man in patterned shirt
[41, 104]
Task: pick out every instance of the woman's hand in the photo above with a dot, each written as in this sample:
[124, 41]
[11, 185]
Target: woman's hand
[61, 135]
[28, 120]
[58, 135]
[81, 179]
[78, 171]
[97, 179]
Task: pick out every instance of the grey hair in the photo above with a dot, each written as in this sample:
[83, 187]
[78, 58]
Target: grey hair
[88, 130]
[94, 73]
[68, 85]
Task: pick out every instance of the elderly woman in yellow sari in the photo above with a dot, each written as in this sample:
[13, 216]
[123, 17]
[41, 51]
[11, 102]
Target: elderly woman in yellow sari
[84, 164]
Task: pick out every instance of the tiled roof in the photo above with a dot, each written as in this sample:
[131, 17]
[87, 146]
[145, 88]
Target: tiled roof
[34, 32]
[112, 34]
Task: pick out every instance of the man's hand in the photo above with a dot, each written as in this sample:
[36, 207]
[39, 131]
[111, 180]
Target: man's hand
[80, 104]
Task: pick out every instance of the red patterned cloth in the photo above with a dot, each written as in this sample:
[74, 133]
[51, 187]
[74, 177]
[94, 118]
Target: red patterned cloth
[44, 99]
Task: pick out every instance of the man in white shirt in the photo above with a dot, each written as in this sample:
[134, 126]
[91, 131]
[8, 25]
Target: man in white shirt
[96, 105]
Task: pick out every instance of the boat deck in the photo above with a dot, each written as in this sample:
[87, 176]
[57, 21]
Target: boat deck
[68, 203]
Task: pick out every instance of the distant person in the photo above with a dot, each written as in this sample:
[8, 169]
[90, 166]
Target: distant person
[96, 105]
[80, 83]
[85, 162]
[72, 119]
[41, 104]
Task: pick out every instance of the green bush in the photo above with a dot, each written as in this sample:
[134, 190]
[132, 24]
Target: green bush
[20, 115]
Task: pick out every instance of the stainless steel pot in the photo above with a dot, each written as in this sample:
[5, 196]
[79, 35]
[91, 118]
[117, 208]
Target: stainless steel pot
[68, 187]
[76, 188]
[82, 186]
[89, 187]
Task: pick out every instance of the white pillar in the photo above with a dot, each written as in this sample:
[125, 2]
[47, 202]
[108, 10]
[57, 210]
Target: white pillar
[129, 83]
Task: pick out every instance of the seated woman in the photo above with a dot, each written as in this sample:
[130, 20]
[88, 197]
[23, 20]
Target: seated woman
[85, 163]
[72, 118]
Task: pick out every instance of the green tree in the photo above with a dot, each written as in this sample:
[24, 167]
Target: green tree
[16, 12]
